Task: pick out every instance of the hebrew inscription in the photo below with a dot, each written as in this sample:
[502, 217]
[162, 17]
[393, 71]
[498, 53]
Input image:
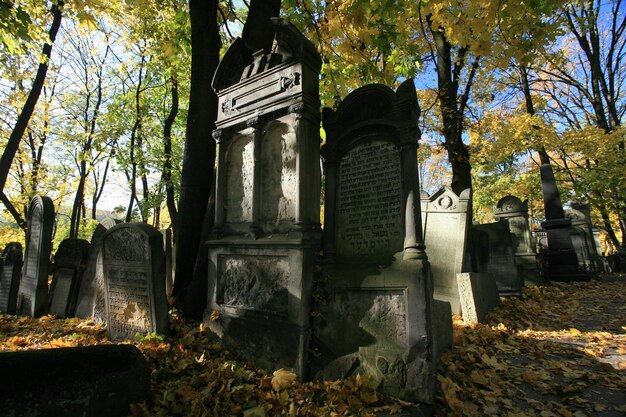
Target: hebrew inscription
[369, 208]
[127, 275]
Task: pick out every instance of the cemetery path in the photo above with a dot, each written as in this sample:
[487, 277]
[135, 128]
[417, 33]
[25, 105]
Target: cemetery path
[559, 351]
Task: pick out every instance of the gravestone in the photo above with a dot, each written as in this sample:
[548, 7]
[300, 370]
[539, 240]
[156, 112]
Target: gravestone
[379, 316]
[478, 294]
[69, 264]
[561, 263]
[515, 211]
[445, 221]
[582, 237]
[492, 253]
[91, 298]
[134, 279]
[266, 235]
[32, 297]
[10, 274]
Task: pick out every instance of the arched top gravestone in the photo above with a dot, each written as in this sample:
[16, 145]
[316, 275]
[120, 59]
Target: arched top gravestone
[33, 293]
[371, 211]
[511, 206]
[134, 277]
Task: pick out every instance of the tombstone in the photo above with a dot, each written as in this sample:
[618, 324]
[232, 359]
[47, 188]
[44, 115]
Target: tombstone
[134, 280]
[379, 316]
[561, 263]
[492, 253]
[91, 298]
[603, 263]
[266, 235]
[516, 212]
[445, 221]
[69, 264]
[10, 274]
[32, 297]
[582, 237]
[478, 294]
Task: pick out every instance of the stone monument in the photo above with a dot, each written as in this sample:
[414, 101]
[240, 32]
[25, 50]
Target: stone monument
[379, 316]
[582, 237]
[445, 221]
[134, 279]
[479, 295]
[515, 211]
[492, 253]
[560, 257]
[69, 264]
[32, 297]
[10, 274]
[266, 234]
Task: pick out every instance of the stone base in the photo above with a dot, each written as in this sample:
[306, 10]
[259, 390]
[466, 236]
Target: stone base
[260, 299]
[381, 321]
[563, 266]
[479, 295]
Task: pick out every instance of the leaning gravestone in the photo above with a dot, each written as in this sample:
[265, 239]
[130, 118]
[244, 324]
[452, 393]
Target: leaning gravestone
[91, 297]
[134, 279]
[69, 264]
[266, 234]
[10, 274]
[379, 317]
[445, 221]
[32, 297]
[492, 253]
[515, 211]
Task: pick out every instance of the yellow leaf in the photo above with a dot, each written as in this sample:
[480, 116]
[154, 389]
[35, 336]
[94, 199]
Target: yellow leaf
[282, 379]
[215, 315]
[479, 378]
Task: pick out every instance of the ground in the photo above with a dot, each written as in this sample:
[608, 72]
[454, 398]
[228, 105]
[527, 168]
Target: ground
[559, 351]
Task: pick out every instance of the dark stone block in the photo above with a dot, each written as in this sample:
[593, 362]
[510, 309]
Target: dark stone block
[90, 381]
[10, 274]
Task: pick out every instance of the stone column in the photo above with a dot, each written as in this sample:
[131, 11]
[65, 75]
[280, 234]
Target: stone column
[220, 181]
[257, 137]
[561, 257]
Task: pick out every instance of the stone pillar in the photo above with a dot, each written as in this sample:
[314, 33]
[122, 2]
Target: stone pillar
[562, 263]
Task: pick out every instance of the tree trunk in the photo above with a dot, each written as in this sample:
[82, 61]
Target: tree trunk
[199, 152]
[29, 106]
[170, 199]
[452, 110]
[191, 271]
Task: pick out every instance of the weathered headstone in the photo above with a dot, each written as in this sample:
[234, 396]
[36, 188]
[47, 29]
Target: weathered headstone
[479, 295]
[10, 274]
[560, 257]
[69, 264]
[134, 279]
[32, 297]
[445, 221]
[492, 253]
[582, 237]
[515, 211]
[91, 298]
[267, 232]
[379, 316]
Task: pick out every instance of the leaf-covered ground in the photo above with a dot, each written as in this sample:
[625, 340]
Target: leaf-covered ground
[560, 351]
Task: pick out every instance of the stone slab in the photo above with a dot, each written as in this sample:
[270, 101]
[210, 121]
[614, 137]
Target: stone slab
[134, 277]
[32, 298]
[69, 263]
